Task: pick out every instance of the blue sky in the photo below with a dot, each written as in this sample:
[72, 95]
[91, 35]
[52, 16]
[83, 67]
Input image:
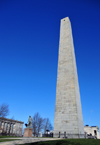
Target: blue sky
[29, 44]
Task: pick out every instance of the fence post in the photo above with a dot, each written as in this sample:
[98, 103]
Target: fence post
[59, 134]
[64, 134]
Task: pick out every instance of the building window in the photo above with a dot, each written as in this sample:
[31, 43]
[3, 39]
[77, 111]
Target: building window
[95, 132]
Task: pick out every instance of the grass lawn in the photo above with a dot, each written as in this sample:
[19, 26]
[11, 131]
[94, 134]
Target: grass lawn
[68, 142]
[9, 136]
[3, 140]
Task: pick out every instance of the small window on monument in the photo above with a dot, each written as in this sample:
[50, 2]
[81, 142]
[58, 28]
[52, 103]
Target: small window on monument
[64, 20]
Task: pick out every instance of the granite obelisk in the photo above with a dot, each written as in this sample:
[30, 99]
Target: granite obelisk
[68, 112]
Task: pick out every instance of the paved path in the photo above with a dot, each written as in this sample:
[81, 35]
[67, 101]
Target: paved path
[25, 140]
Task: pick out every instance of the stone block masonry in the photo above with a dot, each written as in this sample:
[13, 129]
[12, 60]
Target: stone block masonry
[68, 112]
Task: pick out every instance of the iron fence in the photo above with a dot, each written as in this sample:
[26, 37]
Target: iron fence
[64, 135]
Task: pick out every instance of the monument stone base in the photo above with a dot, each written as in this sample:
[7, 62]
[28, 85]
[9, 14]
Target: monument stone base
[28, 132]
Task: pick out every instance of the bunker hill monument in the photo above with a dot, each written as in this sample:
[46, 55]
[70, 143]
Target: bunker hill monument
[68, 112]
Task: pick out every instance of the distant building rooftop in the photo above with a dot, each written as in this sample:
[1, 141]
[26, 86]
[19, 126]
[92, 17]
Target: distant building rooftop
[11, 120]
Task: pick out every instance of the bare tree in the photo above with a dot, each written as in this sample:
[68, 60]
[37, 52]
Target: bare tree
[50, 127]
[4, 110]
[34, 125]
[13, 118]
[47, 125]
[37, 124]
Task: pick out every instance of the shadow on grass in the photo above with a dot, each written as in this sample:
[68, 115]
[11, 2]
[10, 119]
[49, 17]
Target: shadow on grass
[68, 142]
[10, 137]
[3, 140]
